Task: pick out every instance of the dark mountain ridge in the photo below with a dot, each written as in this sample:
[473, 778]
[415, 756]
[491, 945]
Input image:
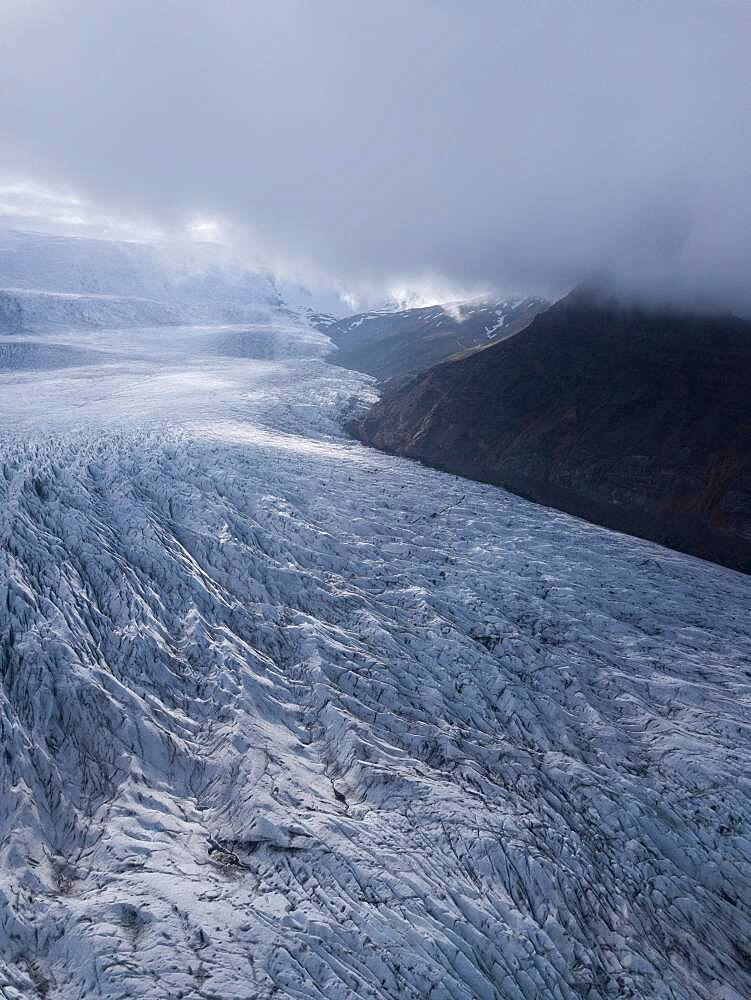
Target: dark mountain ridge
[392, 343]
[635, 418]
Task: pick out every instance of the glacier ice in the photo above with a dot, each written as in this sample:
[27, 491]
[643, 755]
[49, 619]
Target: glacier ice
[286, 717]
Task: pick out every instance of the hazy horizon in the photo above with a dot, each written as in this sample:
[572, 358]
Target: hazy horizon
[433, 149]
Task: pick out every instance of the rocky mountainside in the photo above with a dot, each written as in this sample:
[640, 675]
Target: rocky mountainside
[639, 420]
[390, 343]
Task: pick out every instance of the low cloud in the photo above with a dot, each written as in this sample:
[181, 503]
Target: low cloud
[517, 145]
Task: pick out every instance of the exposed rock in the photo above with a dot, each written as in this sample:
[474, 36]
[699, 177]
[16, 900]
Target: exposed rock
[392, 343]
[639, 420]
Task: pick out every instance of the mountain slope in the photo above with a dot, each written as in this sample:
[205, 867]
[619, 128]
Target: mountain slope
[634, 419]
[24, 310]
[48, 281]
[393, 343]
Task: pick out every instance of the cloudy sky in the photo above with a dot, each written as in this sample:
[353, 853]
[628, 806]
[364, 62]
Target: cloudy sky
[458, 144]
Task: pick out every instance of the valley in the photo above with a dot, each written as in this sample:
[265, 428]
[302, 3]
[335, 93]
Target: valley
[284, 716]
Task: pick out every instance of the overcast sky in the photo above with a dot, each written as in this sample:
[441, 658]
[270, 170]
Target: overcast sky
[515, 144]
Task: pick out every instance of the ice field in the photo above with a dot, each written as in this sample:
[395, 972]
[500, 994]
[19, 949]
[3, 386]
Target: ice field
[286, 717]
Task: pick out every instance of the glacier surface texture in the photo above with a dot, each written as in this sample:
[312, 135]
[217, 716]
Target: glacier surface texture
[284, 717]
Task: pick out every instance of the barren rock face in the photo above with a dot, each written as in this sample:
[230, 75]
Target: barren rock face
[391, 344]
[637, 420]
[283, 716]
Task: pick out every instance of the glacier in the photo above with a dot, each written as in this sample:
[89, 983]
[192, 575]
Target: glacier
[283, 716]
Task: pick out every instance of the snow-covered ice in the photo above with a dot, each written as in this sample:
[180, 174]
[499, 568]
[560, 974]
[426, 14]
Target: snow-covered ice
[286, 717]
